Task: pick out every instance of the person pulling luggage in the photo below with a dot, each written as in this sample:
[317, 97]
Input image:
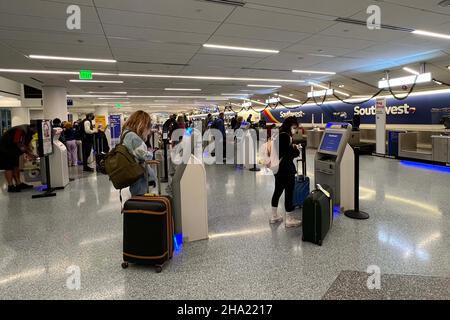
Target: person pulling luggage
[285, 176]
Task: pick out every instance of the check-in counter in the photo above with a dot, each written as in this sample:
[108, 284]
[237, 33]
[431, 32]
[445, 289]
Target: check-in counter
[313, 138]
[441, 148]
[408, 148]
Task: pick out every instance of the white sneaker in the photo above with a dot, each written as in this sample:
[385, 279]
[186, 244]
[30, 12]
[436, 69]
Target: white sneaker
[275, 216]
[276, 219]
[292, 222]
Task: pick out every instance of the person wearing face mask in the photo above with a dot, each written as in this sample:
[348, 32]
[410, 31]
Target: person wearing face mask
[285, 176]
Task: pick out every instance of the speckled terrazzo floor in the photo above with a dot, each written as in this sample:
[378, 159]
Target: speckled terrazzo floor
[408, 233]
[352, 285]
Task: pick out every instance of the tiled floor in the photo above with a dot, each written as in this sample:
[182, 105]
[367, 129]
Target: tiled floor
[352, 285]
[245, 258]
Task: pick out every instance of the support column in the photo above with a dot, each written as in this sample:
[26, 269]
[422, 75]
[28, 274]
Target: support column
[55, 102]
[20, 116]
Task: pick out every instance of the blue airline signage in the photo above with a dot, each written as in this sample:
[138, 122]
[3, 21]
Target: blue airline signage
[416, 109]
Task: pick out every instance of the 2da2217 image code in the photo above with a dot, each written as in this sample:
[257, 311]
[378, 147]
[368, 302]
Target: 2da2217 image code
[226, 310]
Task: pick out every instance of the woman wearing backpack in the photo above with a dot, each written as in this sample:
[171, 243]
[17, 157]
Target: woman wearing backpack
[285, 176]
[136, 131]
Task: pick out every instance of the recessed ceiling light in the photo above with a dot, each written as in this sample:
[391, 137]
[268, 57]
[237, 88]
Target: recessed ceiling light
[321, 55]
[341, 86]
[431, 34]
[36, 56]
[116, 98]
[313, 72]
[96, 81]
[411, 71]
[181, 89]
[289, 98]
[164, 76]
[263, 86]
[114, 92]
[217, 46]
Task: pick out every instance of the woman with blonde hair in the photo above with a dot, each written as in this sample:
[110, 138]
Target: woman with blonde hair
[71, 144]
[137, 130]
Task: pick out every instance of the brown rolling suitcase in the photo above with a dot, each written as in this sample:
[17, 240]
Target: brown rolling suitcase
[148, 230]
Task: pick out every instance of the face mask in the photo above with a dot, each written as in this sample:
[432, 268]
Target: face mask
[294, 130]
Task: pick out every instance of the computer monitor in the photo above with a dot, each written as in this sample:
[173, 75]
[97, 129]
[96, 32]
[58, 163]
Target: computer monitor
[330, 142]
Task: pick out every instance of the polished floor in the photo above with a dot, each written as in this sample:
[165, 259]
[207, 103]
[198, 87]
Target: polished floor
[245, 258]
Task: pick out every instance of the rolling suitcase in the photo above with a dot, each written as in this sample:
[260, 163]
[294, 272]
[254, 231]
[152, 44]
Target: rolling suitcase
[148, 230]
[317, 215]
[302, 184]
[100, 154]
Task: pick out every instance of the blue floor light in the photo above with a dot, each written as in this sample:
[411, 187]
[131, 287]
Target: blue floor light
[425, 166]
[178, 242]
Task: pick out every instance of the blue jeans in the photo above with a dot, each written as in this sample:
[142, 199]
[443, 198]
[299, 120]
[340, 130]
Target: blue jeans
[140, 187]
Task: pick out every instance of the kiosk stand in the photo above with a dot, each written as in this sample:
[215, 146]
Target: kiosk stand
[45, 149]
[356, 213]
[334, 164]
[190, 204]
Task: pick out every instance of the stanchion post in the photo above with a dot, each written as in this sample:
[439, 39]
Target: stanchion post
[166, 165]
[356, 213]
[255, 146]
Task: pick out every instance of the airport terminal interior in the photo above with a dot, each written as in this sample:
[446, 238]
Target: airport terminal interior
[360, 89]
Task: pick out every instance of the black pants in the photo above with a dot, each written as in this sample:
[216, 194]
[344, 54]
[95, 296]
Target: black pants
[284, 183]
[87, 147]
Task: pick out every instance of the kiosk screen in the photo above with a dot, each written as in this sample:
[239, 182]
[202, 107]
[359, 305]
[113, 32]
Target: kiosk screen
[331, 142]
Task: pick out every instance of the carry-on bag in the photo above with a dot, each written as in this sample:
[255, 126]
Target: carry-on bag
[100, 154]
[302, 184]
[317, 214]
[148, 230]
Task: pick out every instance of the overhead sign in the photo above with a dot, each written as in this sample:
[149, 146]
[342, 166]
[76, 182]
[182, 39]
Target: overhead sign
[320, 93]
[404, 81]
[416, 109]
[273, 100]
[85, 75]
[69, 102]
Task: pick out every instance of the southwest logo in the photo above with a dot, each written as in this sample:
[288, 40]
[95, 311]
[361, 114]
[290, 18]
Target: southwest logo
[392, 110]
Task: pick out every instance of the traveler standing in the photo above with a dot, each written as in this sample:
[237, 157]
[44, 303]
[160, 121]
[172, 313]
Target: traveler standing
[71, 144]
[88, 132]
[136, 131]
[285, 176]
[14, 143]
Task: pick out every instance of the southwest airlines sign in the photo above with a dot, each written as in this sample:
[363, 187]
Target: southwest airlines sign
[416, 109]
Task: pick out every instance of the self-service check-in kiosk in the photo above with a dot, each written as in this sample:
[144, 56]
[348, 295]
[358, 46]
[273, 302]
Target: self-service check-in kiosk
[334, 164]
[58, 163]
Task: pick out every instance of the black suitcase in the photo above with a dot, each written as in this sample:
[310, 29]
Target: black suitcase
[317, 215]
[100, 154]
[147, 231]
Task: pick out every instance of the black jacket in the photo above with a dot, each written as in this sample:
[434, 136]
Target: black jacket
[287, 153]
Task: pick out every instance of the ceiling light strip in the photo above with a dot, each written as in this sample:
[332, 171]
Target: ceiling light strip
[218, 46]
[44, 57]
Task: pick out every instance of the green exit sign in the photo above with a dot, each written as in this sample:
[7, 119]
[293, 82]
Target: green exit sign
[119, 105]
[85, 75]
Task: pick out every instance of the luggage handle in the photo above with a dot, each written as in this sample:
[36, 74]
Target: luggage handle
[156, 164]
[302, 160]
[325, 192]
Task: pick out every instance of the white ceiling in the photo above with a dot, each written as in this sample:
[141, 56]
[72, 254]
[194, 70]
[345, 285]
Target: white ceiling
[166, 37]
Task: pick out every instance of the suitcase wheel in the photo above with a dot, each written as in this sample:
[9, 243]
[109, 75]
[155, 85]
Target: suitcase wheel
[158, 269]
[319, 242]
[124, 265]
[303, 238]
